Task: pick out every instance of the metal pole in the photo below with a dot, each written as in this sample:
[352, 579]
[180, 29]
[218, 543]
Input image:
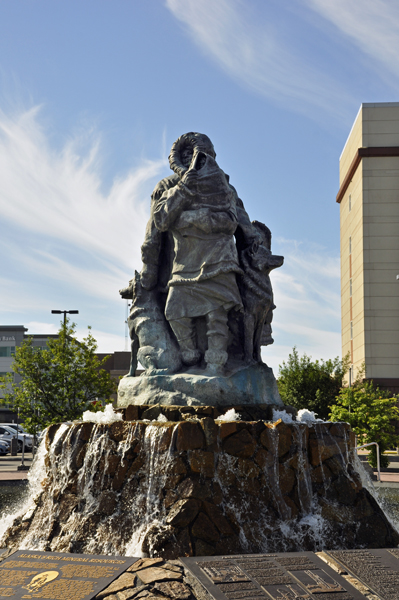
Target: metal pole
[22, 466]
[378, 462]
[350, 390]
[23, 453]
[378, 456]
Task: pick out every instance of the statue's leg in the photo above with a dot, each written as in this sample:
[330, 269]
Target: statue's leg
[217, 332]
[184, 331]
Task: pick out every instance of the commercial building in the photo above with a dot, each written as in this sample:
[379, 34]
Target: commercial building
[12, 336]
[369, 228]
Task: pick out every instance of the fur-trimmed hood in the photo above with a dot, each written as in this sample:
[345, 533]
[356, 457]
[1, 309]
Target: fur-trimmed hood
[198, 141]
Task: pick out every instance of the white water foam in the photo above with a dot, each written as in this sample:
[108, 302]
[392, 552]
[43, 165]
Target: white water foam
[308, 416]
[105, 418]
[283, 415]
[304, 416]
[230, 415]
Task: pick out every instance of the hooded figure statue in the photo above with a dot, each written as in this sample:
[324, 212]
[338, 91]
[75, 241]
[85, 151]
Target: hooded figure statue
[201, 214]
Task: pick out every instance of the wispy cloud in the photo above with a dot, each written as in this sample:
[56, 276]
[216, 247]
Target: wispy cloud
[53, 201]
[255, 52]
[373, 25]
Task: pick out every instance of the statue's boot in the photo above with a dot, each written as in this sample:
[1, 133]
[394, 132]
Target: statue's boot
[185, 335]
[217, 332]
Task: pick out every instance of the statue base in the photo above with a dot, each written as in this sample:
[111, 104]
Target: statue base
[253, 384]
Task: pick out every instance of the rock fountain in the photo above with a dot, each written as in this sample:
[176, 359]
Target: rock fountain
[202, 458]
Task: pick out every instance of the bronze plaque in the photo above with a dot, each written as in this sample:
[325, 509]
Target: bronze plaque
[288, 576]
[32, 574]
[377, 569]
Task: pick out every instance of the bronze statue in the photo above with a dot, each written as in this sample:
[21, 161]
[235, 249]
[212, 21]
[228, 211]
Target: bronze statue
[203, 300]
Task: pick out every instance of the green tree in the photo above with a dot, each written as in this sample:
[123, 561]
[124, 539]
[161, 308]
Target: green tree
[304, 383]
[58, 382]
[371, 413]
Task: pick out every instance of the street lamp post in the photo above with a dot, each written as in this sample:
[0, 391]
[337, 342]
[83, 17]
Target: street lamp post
[65, 312]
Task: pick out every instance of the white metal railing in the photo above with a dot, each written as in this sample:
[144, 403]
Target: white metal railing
[378, 456]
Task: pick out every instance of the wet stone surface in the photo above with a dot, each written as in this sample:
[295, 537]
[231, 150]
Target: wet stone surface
[199, 486]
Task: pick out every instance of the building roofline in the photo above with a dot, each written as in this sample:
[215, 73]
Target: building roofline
[13, 328]
[375, 104]
[43, 335]
[373, 151]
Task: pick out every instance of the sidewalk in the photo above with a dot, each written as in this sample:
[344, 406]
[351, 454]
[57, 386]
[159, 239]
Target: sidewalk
[9, 473]
[390, 475]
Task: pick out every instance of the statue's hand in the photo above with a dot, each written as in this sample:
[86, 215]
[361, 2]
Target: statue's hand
[190, 177]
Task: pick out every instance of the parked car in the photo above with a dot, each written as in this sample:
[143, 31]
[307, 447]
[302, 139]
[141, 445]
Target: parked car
[15, 426]
[4, 448]
[7, 433]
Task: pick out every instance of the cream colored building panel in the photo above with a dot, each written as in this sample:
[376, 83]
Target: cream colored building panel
[387, 229]
[381, 212]
[381, 276]
[375, 165]
[384, 350]
[378, 242]
[383, 337]
[381, 184]
[379, 303]
[383, 323]
[392, 362]
[383, 290]
[380, 111]
[383, 139]
[382, 257]
[375, 196]
[380, 128]
[382, 371]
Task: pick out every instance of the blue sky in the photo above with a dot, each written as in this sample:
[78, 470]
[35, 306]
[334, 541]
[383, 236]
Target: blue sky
[94, 93]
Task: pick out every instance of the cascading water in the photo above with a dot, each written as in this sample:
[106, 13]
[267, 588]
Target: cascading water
[198, 486]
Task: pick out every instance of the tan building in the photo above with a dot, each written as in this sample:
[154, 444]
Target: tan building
[369, 223]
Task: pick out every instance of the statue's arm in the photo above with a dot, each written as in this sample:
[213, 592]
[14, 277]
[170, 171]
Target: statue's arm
[170, 206]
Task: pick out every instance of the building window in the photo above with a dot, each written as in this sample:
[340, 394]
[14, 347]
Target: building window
[351, 331]
[350, 245]
[350, 202]
[7, 351]
[350, 288]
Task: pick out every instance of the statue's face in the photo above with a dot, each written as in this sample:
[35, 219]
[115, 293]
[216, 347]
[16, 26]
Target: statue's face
[186, 154]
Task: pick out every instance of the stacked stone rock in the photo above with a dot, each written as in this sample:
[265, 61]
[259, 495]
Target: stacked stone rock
[198, 486]
[152, 579]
